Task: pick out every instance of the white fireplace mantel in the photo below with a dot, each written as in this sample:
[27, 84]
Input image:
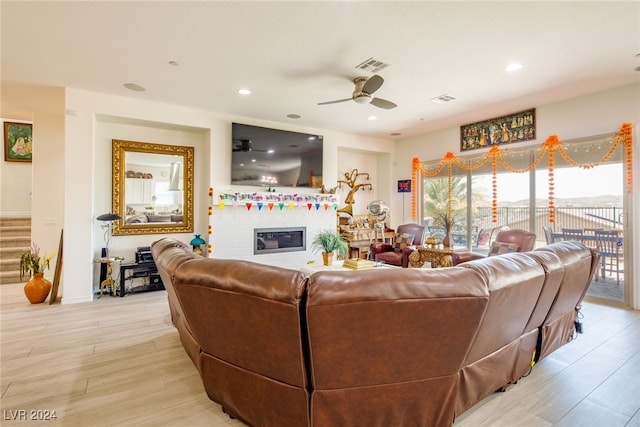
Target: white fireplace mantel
[235, 215]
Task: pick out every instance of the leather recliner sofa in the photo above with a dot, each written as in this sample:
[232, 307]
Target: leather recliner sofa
[402, 347]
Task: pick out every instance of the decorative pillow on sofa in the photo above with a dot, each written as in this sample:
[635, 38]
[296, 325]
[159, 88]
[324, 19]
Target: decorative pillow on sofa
[402, 240]
[498, 248]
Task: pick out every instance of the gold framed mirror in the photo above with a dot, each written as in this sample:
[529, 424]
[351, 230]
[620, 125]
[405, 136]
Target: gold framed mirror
[152, 188]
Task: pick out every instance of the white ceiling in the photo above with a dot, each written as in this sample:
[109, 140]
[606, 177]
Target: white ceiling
[293, 55]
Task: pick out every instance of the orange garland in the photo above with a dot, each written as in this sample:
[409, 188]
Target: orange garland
[414, 179]
[625, 133]
[549, 147]
[494, 183]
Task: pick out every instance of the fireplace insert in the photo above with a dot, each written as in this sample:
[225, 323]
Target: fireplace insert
[283, 239]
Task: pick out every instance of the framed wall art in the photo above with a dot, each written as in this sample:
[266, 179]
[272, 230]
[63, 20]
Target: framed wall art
[18, 142]
[404, 186]
[517, 127]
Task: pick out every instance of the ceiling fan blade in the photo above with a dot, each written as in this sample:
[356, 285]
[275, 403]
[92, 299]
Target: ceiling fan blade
[372, 84]
[383, 103]
[335, 102]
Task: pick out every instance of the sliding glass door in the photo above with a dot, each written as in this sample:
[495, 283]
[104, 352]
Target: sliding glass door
[581, 198]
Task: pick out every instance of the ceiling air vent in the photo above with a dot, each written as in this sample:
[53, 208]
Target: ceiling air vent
[372, 65]
[442, 99]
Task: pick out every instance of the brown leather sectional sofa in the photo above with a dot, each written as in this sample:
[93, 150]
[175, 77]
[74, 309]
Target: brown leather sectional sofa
[387, 347]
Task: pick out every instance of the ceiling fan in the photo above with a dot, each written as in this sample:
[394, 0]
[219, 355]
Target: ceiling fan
[245, 146]
[363, 93]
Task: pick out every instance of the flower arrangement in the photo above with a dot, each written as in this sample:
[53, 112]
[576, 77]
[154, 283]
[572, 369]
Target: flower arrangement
[330, 241]
[32, 262]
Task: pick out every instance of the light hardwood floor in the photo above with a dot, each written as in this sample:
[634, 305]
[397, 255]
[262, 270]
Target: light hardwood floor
[119, 362]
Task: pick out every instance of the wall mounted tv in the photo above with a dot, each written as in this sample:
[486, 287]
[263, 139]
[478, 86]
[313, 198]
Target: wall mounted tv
[271, 157]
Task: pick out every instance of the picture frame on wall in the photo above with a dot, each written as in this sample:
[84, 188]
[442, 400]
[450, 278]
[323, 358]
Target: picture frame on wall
[404, 186]
[516, 127]
[18, 142]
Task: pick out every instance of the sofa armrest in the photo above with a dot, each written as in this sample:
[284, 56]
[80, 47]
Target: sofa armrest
[460, 257]
[406, 251]
[379, 247]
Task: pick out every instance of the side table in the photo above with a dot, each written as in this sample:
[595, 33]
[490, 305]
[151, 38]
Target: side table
[108, 282]
[437, 257]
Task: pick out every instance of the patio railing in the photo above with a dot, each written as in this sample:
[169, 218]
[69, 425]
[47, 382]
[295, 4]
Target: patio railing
[604, 217]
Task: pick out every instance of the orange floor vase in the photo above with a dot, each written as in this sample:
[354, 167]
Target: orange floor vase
[37, 289]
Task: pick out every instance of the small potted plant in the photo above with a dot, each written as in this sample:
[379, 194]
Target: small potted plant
[31, 262]
[329, 242]
[447, 221]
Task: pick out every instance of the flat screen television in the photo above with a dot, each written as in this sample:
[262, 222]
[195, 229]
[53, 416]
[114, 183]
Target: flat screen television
[271, 157]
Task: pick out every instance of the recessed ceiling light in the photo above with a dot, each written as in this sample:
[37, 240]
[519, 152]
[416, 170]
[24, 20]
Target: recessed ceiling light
[371, 118]
[244, 91]
[271, 151]
[134, 87]
[253, 160]
[294, 116]
[513, 67]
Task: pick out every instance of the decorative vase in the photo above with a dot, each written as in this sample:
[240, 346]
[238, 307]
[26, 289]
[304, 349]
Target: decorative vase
[446, 242]
[327, 258]
[37, 289]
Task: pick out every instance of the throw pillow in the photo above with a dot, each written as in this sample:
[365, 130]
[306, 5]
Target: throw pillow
[498, 248]
[402, 240]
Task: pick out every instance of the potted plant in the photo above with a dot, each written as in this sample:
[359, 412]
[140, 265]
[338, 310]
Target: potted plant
[31, 262]
[329, 242]
[444, 219]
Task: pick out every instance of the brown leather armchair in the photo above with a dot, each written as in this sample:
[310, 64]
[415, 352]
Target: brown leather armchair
[524, 240]
[387, 253]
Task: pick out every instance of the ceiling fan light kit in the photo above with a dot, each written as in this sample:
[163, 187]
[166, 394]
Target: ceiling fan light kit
[362, 98]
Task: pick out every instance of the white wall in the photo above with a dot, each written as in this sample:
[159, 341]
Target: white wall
[72, 176]
[96, 118]
[594, 114]
[233, 229]
[44, 178]
[15, 181]
[598, 113]
[15, 177]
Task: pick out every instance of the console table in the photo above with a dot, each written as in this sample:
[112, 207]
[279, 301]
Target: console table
[437, 257]
[148, 270]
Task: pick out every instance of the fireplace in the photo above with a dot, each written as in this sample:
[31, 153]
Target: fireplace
[281, 239]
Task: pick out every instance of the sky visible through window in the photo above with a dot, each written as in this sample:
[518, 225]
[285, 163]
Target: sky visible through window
[605, 180]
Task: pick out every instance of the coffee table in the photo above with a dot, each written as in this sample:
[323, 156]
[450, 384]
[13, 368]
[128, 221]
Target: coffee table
[438, 257]
[308, 269]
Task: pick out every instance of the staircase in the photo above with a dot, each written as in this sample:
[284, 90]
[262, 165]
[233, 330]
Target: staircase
[15, 239]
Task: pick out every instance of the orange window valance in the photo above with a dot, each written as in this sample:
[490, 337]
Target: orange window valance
[552, 147]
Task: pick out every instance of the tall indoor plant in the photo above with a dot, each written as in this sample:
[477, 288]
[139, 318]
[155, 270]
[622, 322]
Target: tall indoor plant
[329, 242]
[31, 262]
